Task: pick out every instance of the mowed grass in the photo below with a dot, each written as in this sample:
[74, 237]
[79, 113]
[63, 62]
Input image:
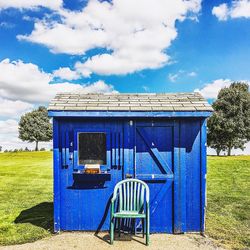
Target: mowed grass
[26, 209]
[228, 200]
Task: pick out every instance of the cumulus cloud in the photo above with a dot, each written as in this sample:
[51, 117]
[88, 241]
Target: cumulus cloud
[9, 108]
[238, 9]
[181, 73]
[173, 77]
[31, 4]
[135, 34]
[98, 87]
[9, 136]
[27, 83]
[192, 74]
[212, 89]
[66, 73]
[23, 86]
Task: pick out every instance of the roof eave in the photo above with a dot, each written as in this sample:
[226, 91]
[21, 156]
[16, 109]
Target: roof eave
[100, 114]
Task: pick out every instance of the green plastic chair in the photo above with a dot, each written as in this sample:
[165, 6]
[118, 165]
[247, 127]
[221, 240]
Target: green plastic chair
[131, 194]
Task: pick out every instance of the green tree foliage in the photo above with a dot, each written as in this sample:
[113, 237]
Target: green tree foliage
[35, 126]
[215, 136]
[229, 126]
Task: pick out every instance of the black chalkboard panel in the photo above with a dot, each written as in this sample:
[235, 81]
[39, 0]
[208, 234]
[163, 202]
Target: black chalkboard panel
[92, 148]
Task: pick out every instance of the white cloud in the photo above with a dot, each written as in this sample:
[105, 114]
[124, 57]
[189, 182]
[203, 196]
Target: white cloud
[221, 12]
[192, 74]
[66, 74]
[212, 89]
[9, 108]
[9, 137]
[7, 25]
[22, 87]
[238, 9]
[145, 88]
[23, 81]
[9, 126]
[98, 87]
[136, 34]
[173, 77]
[30, 4]
[181, 73]
[27, 83]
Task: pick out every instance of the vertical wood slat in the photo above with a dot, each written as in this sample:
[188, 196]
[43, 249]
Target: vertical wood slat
[179, 181]
[117, 146]
[113, 149]
[57, 175]
[203, 150]
[63, 146]
[121, 149]
[67, 149]
[117, 149]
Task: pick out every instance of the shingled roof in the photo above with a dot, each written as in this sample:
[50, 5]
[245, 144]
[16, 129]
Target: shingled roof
[129, 102]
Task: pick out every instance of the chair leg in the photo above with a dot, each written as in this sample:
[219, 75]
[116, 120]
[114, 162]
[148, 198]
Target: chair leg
[119, 226]
[112, 231]
[147, 230]
[143, 227]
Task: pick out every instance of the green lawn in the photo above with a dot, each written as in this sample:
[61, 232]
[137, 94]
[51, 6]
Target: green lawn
[26, 210]
[228, 199]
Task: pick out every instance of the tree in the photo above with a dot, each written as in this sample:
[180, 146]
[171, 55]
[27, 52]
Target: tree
[215, 136]
[229, 126]
[35, 126]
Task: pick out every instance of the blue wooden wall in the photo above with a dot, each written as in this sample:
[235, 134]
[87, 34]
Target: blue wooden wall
[169, 154]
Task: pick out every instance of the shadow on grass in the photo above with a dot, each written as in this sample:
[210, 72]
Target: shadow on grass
[40, 215]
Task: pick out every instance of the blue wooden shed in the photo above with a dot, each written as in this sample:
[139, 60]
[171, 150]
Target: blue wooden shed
[158, 138]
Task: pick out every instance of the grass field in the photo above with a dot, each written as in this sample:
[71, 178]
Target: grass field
[25, 196]
[228, 199]
[26, 210]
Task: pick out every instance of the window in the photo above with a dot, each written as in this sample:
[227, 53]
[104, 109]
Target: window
[91, 148]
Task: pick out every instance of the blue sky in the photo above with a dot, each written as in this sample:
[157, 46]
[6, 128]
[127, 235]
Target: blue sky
[120, 45]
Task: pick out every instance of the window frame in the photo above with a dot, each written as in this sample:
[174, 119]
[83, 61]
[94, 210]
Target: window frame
[78, 145]
[103, 167]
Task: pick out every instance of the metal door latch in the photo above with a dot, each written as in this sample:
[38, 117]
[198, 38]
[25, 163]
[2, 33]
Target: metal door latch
[128, 176]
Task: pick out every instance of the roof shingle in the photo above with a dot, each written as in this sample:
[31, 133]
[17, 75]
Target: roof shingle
[129, 102]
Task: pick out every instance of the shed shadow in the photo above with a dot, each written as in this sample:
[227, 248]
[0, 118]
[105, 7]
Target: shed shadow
[40, 215]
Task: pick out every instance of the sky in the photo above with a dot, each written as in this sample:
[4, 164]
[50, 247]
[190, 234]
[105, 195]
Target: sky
[116, 46]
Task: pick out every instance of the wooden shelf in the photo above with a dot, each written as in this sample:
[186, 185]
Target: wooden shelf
[83, 177]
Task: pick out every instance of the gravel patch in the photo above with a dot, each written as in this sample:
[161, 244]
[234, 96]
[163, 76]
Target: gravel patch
[89, 241]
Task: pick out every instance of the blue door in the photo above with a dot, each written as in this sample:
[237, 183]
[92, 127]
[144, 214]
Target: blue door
[154, 159]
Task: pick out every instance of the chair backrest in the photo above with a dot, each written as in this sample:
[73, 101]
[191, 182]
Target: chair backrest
[131, 193]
